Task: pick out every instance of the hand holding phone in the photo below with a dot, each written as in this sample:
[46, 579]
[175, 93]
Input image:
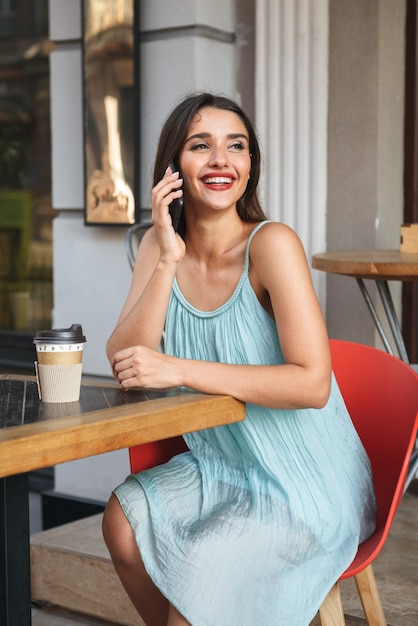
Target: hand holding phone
[176, 205]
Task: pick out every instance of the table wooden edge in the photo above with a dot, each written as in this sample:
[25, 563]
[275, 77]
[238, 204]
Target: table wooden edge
[369, 264]
[46, 443]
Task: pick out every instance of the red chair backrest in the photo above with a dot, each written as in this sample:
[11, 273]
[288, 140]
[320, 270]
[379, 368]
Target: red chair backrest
[150, 454]
[381, 394]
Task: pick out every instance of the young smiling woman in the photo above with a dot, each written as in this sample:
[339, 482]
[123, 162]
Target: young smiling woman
[276, 503]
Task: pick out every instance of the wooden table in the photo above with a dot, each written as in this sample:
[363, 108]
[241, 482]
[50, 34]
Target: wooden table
[380, 266]
[35, 435]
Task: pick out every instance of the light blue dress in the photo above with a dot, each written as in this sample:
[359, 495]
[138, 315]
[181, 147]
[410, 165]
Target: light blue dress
[254, 525]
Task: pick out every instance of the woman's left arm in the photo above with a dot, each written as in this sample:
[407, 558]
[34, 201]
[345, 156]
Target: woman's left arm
[280, 268]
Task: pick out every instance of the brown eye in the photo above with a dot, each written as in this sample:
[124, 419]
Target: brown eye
[237, 146]
[199, 146]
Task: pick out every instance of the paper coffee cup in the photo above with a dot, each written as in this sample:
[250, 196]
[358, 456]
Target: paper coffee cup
[59, 363]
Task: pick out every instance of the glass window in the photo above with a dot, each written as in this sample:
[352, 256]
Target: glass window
[26, 213]
[8, 21]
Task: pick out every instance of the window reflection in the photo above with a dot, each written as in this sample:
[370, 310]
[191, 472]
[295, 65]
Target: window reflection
[109, 101]
[25, 168]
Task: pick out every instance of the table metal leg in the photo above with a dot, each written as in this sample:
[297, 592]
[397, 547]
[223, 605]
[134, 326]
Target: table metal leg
[413, 467]
[386, 298]
[15, 597]
[388, 305]
[374, 315]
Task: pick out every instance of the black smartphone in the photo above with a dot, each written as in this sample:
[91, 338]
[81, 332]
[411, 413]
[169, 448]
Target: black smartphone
[176, 205]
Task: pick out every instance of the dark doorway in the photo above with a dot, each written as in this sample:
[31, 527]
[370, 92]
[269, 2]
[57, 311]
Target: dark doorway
[410, 290]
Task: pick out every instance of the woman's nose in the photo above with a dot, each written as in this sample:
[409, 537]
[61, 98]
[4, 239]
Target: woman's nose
[219, 157]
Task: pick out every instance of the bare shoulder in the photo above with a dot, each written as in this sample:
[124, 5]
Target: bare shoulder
[277, 240]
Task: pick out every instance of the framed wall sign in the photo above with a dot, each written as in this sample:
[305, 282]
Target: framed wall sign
[111, 127]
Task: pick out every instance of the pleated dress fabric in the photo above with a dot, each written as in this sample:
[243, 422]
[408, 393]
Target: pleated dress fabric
[254, 525]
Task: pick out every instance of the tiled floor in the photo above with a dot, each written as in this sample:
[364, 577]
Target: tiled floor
[396, 571]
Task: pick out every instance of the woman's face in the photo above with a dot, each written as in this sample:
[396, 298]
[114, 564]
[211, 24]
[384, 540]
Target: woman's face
[215, 160]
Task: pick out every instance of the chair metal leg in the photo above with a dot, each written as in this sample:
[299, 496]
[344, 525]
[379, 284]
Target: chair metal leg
[369, 596]
[331, 612]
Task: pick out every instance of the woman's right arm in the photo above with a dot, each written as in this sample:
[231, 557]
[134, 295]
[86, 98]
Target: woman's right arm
[142, 318]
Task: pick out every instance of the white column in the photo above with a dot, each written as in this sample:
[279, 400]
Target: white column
[291, 116]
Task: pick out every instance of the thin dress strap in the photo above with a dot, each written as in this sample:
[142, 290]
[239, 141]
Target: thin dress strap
[250, 238]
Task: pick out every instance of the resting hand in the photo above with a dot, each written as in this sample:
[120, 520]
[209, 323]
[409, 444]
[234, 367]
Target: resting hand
[139, 366]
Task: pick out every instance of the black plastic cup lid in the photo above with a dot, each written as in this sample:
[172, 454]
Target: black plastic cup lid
[74, 334]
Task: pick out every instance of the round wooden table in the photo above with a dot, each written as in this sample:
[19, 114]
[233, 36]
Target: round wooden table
[379, 266]
[373, 264]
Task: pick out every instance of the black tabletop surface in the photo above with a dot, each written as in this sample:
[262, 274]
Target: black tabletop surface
[20, 404]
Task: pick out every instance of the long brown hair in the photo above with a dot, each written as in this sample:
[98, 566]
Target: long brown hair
[173, 136]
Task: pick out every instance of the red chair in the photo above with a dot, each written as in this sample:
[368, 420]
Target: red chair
[148, 455]
[381, 393]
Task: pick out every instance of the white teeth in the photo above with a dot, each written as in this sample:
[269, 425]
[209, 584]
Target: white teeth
[217, 180]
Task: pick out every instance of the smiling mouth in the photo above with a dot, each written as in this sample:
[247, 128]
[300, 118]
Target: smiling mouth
[217, 180]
